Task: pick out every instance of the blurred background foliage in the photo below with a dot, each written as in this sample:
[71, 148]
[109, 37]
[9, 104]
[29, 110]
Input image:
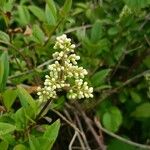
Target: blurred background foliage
[113, 40]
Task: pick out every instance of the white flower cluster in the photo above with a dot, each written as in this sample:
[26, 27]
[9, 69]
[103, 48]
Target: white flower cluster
[65, 74]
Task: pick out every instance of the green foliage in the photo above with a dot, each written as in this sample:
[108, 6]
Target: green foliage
[116, 144]
[4, 145]
[46, 141]
[6, 128]
[112, 38]
[137, 4]
[38, 35]
[38, 12]
[19, 147]
[9, 97]
[99, 77]
[51, 133]
[25, 99]
[142, 111]
[112, 119]
[4, 70]
[23, 14]
[4, 37]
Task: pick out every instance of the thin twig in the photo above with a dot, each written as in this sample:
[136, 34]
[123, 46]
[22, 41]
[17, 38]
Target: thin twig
[81, 142]
[45, 63]
[81, 128]
[66, 120]
[88, 122]
[147, 40]
[134, 49]
[147, 18]
[43, 109]
[120, 138]
[72, 140]
[77, 28]
[79, 136]
[32, 70]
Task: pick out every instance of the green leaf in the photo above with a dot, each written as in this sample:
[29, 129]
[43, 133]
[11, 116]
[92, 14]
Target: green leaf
[113, 31]
[50, 16]
[146, 61]
[36, 142]
[4, 145]
[99, 77]
[52, 7]
[112, 119]
[4, 70]
[58, 103]
[38, 35]
[122, 97]
[135, 96]
[6, 128]
[4, 37]
[66, 8]
[20, 147]
[26, 99]
[97, 31]
[1, 72]
[137, 3]
[142, 111]
[24, 15]
[116, 145]
[2, 2]
[23, 116]
[9, 97]
[38, 12]
[20, 119]
[119, 49]
[52, 132]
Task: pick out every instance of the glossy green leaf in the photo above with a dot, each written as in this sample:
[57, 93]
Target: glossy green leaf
[20, 119]
[52, 7]
[52, 132]
[99, 77]
[6, 128]
[23, 117]
[50, 16]
[4, 37]
[38, 12]
[24, 15]
[4, 70]
[66, 8]
[97, 31]
[20, 147]
[26, 99]
[142, 111]
[112, 119]
[38, 35]
[36, 142]
[9, 97]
